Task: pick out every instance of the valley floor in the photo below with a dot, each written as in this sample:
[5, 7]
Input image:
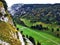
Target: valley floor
[43, 38]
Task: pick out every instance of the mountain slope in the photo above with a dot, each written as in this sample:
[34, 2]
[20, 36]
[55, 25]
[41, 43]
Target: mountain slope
[47, 13]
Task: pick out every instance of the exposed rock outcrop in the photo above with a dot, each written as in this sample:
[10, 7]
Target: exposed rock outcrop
[8, 33]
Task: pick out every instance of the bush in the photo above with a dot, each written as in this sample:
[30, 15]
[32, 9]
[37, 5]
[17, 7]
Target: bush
[38, 43]
[32, 40]
[17, 28]
[33, 27]
[15, 25]
[21, 32]
[52, 29]
[23, 35]
[57, 35]
[39, 27]
[45, 28]
[27, 36]
[57, 29]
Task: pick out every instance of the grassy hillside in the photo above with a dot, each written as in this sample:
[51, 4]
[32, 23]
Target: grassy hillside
[6, 31]
[46, 27]
[26, 22]
[29, 24]
[43, 37]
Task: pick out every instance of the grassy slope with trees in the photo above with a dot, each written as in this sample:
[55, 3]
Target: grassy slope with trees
[43, 37]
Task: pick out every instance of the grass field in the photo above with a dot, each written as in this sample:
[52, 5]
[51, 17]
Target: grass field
[26, 22]
[29, 24]
[42, 37]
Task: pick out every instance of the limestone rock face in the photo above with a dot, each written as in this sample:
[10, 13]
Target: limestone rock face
[4, 43]
[8, 33]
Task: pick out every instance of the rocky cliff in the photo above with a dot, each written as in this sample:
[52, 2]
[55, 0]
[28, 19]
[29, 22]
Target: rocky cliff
[8, 33]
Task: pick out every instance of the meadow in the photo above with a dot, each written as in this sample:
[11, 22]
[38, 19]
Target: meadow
[41, 36]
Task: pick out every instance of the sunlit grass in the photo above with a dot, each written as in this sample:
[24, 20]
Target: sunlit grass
[44, 38]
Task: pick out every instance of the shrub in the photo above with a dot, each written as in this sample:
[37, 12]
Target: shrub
[45, 28]
[38, 43]
[57, 29]
[32, 40]
[17, 28]
[27, 36]
[39, 27]
[21, 32]
[52, 29]
[33, 27]
[57, 35]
